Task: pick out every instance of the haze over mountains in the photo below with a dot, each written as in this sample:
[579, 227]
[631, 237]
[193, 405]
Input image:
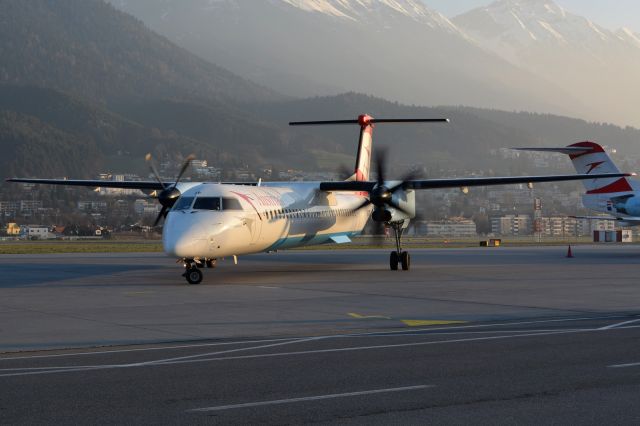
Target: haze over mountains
[514, 54]
[86, 88]
[597, 66]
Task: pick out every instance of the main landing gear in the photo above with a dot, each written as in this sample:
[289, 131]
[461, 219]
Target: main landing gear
[399, 257]
[192, 269]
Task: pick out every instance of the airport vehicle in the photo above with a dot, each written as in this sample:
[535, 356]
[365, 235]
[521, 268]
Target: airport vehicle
[617, 197]
[207, 221]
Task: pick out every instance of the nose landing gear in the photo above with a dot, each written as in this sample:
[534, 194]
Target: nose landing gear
[399, 257]
[193, 275]
[192, 272]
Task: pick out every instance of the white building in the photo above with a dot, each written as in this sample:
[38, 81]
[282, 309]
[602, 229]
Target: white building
[456, 227]
[35, 232]
[511, 225]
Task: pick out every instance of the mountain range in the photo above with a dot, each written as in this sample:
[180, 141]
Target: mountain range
[86, 88]
[513, 54]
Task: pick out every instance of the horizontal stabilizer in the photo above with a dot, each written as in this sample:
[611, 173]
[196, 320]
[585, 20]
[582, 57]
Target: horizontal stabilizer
[569, 150]
[370, 121]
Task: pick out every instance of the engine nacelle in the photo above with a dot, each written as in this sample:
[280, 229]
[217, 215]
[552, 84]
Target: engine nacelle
[406, 200]
[629, 206]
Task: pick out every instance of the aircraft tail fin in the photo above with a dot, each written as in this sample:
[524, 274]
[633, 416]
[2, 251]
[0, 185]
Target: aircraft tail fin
[589, 157]
[365, 142]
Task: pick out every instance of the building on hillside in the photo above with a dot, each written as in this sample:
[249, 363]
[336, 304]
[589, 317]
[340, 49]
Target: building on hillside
[13, 229]
[9, 208]
[511, 225]
[30, 207]
[454, 227]
[35, 232]
[118, 191]
[92, 206]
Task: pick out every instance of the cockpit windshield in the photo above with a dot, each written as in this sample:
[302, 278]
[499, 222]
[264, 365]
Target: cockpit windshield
[207, 203]
[216, 203]
[183, 203]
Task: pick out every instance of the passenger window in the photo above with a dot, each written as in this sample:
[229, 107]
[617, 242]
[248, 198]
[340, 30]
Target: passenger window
[183, 203]
[231, 204]
[207, 203]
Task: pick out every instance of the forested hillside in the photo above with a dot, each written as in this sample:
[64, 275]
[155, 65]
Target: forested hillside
[90, 49]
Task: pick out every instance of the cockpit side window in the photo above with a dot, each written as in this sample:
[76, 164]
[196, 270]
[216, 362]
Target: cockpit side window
[231, 204]
[183, 203]
[207, 203]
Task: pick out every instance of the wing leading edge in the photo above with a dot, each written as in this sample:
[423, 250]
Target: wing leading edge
[467, 182]
[151, 185]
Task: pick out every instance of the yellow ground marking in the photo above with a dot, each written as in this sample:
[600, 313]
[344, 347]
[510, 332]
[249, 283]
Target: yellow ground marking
[419, 323]
[358, 316]
[137, 293]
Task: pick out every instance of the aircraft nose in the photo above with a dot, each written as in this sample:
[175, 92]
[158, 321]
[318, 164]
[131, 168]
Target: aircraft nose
[186, 246]
[184, 240]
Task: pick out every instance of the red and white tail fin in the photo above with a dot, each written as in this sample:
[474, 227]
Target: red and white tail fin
[589, 157]
[365, 145]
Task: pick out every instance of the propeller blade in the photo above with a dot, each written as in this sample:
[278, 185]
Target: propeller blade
[364, 204]
[380, 165]
[397, 207]
[161, 215]
[185, 165]
[154, 171]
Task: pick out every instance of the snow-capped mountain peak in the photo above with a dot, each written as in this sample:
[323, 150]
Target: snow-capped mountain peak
[522, 23]
[361, 10]
[627, 35]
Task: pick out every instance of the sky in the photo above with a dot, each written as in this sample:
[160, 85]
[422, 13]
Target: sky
[612, 14]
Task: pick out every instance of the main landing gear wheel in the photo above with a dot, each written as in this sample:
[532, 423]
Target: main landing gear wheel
[399, 256]
[193, 275]
[405, 259]
[393, 261]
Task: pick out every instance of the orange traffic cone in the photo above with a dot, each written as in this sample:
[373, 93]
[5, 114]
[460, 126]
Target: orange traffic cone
[569, 253]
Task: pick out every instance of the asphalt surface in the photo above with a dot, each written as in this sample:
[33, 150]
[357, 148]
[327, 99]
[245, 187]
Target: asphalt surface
[481, 336]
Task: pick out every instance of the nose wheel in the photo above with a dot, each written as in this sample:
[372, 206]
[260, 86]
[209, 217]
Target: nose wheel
[193, 269]
[399, 257]
[193, 275]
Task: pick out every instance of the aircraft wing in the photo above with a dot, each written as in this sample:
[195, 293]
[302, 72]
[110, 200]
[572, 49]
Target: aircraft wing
[487, 181]
[611, 218]
[465, 182]
[151, 185]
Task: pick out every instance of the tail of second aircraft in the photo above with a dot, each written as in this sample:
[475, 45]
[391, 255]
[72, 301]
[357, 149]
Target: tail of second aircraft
[606, 195]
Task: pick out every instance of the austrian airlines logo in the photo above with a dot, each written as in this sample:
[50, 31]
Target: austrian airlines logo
[248, 200]
[593, 166]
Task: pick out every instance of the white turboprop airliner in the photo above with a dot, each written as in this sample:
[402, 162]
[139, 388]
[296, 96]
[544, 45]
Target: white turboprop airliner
[618, 197]
[207, 221]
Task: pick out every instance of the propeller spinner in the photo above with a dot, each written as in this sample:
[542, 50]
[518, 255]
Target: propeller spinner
[170, 193]
[381, 196]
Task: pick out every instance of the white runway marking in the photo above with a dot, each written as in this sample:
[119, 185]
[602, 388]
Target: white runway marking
[634, 364]
[416, 331]
[309, 398]
[166, 362]
[621, 324]
[155, 348]
[199, 357]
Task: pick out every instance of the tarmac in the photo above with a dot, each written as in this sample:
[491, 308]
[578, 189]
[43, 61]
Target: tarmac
[484, 336]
